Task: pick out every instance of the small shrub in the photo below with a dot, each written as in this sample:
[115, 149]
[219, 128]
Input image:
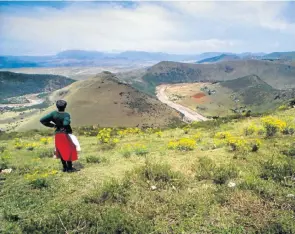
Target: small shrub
[278, 170]
[140, 149]
[112, 191]
[288, 131]
[106, 136]
[236, 143]
[159, 134]
[223, 173]
[46, 153]
[255, 145]
[222, 135]
[205, 168]
[126, 151]
[250, 130]
[31, 146]
[283, 107]
[161, 175]
[184, 144]
[38, 179]
[4, 159]
[95, 159]
[273, 125]
[39, 183]
[18, 144]
[45, 140]
[2, 149]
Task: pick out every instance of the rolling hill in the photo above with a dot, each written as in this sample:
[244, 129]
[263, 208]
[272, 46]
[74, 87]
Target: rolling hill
[17, 84]
[279, 76]
[220, 58]
[290, 56]
[105, 101]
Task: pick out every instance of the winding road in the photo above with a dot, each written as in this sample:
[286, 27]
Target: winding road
[189, 114]
[33, 99]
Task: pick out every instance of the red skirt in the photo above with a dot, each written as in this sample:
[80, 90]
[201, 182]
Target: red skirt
[65, 148]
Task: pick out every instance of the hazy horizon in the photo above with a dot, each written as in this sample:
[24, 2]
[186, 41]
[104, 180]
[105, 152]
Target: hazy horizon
[47, 28]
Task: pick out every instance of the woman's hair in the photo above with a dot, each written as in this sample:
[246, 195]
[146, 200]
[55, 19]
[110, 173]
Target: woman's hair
[61, 105]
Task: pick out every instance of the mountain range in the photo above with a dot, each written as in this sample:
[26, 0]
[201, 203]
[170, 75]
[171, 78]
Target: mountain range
[72, 58]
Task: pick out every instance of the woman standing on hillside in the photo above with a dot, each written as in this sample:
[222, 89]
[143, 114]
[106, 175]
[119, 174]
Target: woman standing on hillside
[64, 146]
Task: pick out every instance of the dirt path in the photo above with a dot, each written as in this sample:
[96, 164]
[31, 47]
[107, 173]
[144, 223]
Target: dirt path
[188, 113]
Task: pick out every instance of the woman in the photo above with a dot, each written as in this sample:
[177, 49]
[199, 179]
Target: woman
[65, 148]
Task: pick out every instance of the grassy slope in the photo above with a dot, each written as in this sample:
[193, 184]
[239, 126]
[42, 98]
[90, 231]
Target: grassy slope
[90, 202]
[102, 100]
[17, 84]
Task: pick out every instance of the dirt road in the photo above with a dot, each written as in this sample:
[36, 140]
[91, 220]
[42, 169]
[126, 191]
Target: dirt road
[32, 98]
[188, 113]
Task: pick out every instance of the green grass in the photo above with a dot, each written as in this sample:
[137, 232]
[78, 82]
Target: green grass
[161, 191]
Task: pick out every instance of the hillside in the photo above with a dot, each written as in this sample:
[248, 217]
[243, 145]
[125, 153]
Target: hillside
[18, 84]
[103, 100]
[281, 56]
[279, 76]
[221, 176]
[252, 90]
[220, 58]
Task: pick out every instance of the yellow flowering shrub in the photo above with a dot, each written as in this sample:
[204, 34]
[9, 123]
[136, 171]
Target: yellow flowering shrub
[105, 136]
[222, 135]
[140, 149]
[18, 144]
[184, 144]
[128, 131]
[31, 146]
[45, 140]
[251, 129]
[272, 125]
[236, 143]
[159, 134]
[38, 179]
[197, 136]
[254, 144]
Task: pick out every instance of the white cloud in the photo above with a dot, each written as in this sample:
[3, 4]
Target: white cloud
[175, 27]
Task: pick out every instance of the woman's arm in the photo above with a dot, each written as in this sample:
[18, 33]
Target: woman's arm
[46, 121]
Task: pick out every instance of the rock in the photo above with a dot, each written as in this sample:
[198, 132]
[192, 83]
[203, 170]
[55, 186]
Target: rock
[291, 195]
[153, 188]
[231, 184]
[6, 171]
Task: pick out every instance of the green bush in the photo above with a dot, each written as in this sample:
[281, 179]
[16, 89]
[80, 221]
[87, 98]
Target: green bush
[160, 175]
[223, 173]
[288, 131]
[46, 153]
[95, 159]
[39, 183]
[112, 191]
[278, 170]
[205, 168]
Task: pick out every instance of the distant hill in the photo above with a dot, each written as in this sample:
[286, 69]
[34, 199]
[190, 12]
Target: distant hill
[105, 101]
[220, 58]
[279, 76]
[252, 89]
[85, 58]
[281, 56]
[17, 84]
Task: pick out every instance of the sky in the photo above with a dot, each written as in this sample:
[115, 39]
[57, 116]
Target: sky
[178, 27]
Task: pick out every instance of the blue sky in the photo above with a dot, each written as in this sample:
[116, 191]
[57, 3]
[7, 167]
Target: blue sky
[45, 28]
